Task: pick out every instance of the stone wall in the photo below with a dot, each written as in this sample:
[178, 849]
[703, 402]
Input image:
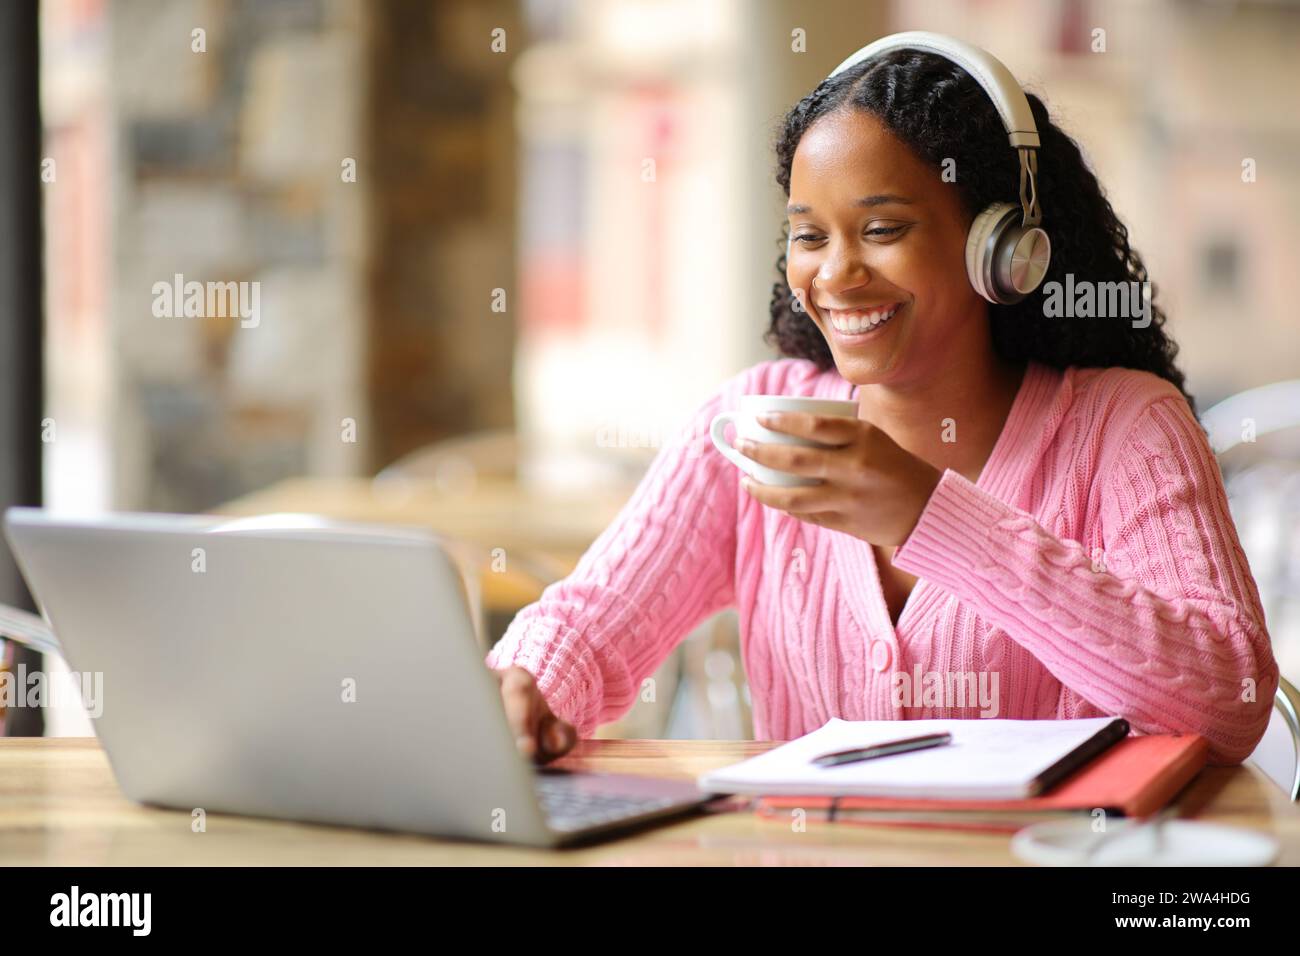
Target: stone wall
[232, 122]
[355, 161]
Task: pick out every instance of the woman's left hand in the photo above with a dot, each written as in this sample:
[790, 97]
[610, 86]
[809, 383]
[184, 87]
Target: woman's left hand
[871, 488]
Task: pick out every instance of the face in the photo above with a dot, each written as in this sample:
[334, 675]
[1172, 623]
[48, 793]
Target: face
[877, 232]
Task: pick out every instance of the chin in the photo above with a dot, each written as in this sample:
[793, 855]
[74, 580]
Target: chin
[863, 370]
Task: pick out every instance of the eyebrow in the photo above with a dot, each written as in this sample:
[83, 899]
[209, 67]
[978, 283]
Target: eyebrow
[866, 201]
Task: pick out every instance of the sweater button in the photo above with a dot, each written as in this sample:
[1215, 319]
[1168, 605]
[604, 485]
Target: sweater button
[881, 656]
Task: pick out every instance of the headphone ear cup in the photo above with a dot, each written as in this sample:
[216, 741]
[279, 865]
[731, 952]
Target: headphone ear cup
[1023, 255]
[1005, 261]
[982, 242]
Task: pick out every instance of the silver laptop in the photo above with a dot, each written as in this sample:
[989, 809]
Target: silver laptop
[306, 670]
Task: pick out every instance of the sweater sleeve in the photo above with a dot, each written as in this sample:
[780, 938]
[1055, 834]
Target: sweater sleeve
[1164, 627]
[662, 566]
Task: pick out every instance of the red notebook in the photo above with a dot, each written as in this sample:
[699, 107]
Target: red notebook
[1135, 777]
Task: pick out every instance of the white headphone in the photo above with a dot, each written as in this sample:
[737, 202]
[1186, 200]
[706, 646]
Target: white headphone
[1005, 260]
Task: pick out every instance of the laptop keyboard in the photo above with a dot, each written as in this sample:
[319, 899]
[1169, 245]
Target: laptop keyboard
[570, 806]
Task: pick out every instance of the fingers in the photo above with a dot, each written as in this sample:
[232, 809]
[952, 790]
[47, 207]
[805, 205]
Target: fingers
[520, 709]
[801, 502]
[556, 737]
[826, 429]
[796, 459]
[827, 519]
[539, 734]
[837, 456]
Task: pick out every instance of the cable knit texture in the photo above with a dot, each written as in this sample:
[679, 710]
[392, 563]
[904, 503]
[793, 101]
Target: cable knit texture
[1094, 567]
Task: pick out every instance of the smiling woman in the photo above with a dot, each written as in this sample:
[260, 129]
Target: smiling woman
[1024, 499]
[886, 165]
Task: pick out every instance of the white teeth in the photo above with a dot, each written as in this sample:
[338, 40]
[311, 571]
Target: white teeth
[858, 321]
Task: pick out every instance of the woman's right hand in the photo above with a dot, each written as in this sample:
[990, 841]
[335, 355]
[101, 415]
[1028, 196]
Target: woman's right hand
[539, 734]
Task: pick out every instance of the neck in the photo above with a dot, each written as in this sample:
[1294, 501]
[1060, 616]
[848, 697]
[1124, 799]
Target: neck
[953, 417]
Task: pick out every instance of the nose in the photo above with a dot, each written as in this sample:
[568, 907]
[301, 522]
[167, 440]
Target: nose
[841, 272]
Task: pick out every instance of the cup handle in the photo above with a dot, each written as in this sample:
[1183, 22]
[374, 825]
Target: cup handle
[716, 430]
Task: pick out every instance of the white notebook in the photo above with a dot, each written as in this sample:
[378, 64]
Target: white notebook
[987, 760]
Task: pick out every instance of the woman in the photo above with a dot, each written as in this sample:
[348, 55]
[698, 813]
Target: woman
[1025, 496]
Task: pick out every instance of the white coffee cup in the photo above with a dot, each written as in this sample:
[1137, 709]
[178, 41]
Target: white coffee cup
[747, 426]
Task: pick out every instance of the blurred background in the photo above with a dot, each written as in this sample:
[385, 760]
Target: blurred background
[504, 248]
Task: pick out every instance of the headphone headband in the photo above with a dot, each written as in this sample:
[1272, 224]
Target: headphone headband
[987, 70]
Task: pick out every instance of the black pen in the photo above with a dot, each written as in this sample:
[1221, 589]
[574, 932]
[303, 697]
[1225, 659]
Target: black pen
[883, 749]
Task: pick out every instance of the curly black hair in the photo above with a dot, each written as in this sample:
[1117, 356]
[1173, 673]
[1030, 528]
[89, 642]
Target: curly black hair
[941, 112]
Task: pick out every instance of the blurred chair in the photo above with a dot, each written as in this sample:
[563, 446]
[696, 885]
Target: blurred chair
[493, 453]
[1278, 753]
[699, 691]
[456, 466]
[712, 701]
[1256, 436]
[1273, 410]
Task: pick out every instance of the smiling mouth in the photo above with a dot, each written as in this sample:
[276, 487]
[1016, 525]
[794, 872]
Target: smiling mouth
[854, 321]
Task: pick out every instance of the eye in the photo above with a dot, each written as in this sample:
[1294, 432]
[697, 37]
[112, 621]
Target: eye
[808, 238]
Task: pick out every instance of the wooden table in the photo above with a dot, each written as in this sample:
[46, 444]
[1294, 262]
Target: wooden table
[541, 534]
[59, 805]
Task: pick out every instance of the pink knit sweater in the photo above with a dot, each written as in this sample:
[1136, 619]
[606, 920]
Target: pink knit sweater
[1094, 567]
